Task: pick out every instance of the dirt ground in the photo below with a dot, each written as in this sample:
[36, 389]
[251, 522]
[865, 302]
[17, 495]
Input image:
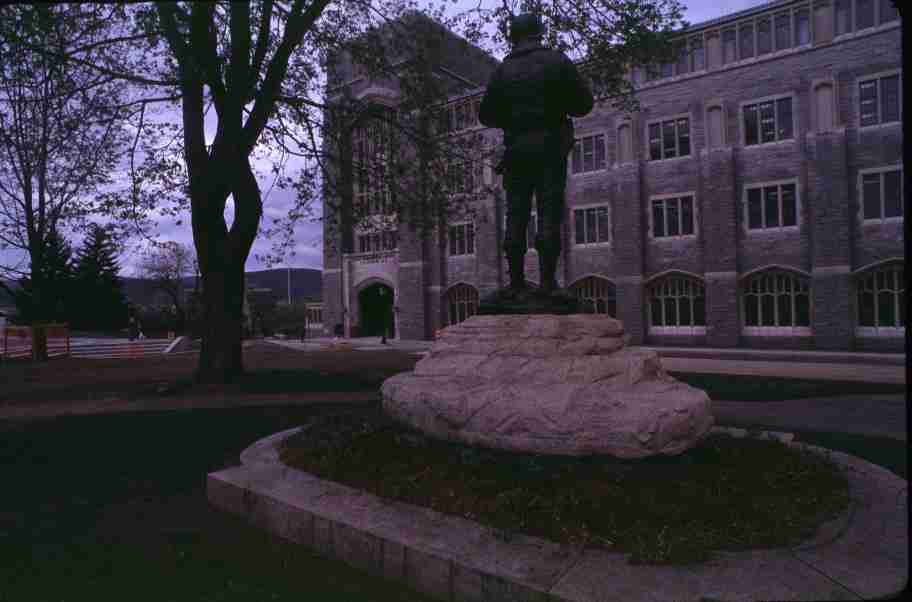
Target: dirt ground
[156, 380]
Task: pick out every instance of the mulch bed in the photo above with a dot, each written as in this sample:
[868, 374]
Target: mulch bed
[724, 494]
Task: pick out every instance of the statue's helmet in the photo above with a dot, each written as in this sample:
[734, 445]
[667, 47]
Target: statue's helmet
[525, 26]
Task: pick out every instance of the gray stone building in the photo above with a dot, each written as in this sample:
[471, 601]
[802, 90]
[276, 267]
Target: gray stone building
[755, 200]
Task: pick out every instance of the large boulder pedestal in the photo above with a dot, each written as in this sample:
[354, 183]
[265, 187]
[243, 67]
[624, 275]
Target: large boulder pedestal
[548, 384]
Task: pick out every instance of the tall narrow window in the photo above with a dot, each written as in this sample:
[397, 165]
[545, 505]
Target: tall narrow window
[889, 93]
[802, 27]
[843, 14]
[888, 11]
[746, 31]
[715, 127]
[867, 93]
[729, 44]
[683, 65]
[698, 54]
[668, 139]
[783, 31]
[784, 119]
[767, 122]
[764, 36]
[864, 14]
[655, 142]
[824, 105]
[823, 23]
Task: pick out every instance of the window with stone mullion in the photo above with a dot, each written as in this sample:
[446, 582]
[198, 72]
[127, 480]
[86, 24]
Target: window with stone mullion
[881, 298]
[599, 292]
[776, 300]
[462, 239]
[888, 11]
[591, 225]
[768, 121]
[463, 303]
[878, 100]
[672, 216]
[864, 14]
[698, 53]
[677, 301]
[588, 154]
[669, 139]
[882, 194]
[842, 12]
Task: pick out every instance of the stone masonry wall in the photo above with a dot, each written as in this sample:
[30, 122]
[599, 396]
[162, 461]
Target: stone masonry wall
[828, 246]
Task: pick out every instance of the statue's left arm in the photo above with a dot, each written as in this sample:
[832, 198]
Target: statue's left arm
[492, 110]
[579, 95]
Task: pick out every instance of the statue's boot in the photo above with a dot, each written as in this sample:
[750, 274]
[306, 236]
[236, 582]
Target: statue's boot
[516, 265]
[547, 257]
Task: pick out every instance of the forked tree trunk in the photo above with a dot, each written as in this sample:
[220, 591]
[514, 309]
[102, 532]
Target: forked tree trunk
[221, 359]
[222, 255]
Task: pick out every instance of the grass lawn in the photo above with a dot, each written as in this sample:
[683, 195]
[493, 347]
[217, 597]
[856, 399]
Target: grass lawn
[113, 508]
[725, 493]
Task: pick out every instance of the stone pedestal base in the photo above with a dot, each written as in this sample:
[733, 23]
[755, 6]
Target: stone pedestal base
[506, 301]
[550, 384]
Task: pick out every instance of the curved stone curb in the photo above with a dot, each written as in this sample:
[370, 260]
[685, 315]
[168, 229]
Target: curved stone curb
[266, 450]
[862, 554]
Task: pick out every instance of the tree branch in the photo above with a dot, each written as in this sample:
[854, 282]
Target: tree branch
[298, 24]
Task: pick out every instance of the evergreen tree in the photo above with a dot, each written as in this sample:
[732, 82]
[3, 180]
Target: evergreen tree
[98, 297]
[43, 295]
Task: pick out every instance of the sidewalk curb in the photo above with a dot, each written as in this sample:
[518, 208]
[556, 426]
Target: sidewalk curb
[863, 554]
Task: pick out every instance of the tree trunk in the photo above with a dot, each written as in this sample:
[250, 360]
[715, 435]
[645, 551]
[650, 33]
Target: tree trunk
[221, 359]
[223, 254]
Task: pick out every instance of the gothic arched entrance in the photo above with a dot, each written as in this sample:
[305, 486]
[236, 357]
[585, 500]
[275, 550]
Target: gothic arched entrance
[376, 302]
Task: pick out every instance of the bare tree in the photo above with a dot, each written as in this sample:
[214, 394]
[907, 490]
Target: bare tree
[262, 69]
[166, 265]
[61, 135]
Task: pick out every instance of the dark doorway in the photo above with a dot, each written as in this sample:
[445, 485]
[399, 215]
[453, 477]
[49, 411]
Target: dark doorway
[377, 311]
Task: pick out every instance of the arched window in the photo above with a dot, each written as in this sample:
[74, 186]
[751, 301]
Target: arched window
[676, 302]
[714, 127]
[597, 291]
[775, 298]
[881, 298]
[823, 103]
[462, 302]
[625, 144]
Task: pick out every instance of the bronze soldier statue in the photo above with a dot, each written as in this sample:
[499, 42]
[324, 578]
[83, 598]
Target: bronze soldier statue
[529, 97]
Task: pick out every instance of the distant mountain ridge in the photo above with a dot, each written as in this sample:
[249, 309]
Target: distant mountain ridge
[306, 284]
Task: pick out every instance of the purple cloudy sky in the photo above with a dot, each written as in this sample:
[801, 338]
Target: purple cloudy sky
[308, 240]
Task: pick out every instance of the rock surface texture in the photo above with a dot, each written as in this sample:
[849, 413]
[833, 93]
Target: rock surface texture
[548, 384]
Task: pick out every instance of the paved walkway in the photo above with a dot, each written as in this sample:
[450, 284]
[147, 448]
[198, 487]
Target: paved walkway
[845, 366]
[874, 416]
